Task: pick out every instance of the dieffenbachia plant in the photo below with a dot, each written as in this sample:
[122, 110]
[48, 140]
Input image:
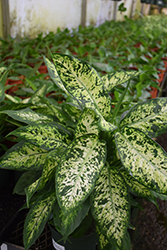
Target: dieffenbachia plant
[83, 158]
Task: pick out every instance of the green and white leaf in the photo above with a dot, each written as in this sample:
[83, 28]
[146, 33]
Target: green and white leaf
[143, 158]
[83, 83]
[28, 116]
[44, 135]
[36, 98]
[50, 165]
[106, 126]
[37, 217]
[31, 189]
[23, 156]
[150, 117]
[78, 170]
[53, 74]
[87, 124]
[67, 223]
[119, 77]
[103, 242]
[110, 205]
[135, 186]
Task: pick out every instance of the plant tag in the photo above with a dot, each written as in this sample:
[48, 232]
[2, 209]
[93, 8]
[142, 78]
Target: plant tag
[57, 246]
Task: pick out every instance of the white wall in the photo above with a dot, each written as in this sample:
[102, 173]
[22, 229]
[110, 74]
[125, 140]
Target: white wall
[31, 17]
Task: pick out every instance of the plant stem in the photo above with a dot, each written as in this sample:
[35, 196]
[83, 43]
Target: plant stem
[117, 107]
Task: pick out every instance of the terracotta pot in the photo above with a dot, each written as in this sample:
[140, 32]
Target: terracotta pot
[154, 49]
[133, 68]
[9, 81]
[153, 92]
[137, 45]
[43, 69]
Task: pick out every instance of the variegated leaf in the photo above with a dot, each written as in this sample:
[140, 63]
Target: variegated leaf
[23, 156]
[78, 171]
[135, 186]
[103, 242]
[31, 189]
[143, 158]
[37, 217]
[87, 124]
[53, 74]
[83, 83]
[149, 117]
[45, 136]
[50, 165]
[110, 205]
[67, 223]
[119, 77]
[41, 91]
[28, 116]
[106, 126]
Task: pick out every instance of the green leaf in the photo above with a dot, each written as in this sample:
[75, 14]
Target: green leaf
[78, 171]
[87, 123]
[53, 74]
[67, 223]
[150, 117]
[25, 180]
[23, 156]
[126, 242]
[45, 136]
[143, 158]
[37, 217]
[159, 196]
[83, 83]
[135, 186]
[2, 95]
[28, 116]
[117, 78]
[14, 106]
[110, 205]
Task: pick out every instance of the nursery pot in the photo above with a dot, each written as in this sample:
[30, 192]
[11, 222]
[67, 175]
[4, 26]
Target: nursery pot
[87, 242]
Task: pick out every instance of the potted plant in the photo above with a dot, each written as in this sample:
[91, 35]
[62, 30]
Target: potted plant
[83, 158]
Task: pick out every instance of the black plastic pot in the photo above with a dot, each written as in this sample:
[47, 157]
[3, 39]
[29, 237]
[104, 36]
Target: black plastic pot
[87, 242]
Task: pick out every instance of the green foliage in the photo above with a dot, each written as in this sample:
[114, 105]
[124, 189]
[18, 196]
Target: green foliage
[87, 156]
